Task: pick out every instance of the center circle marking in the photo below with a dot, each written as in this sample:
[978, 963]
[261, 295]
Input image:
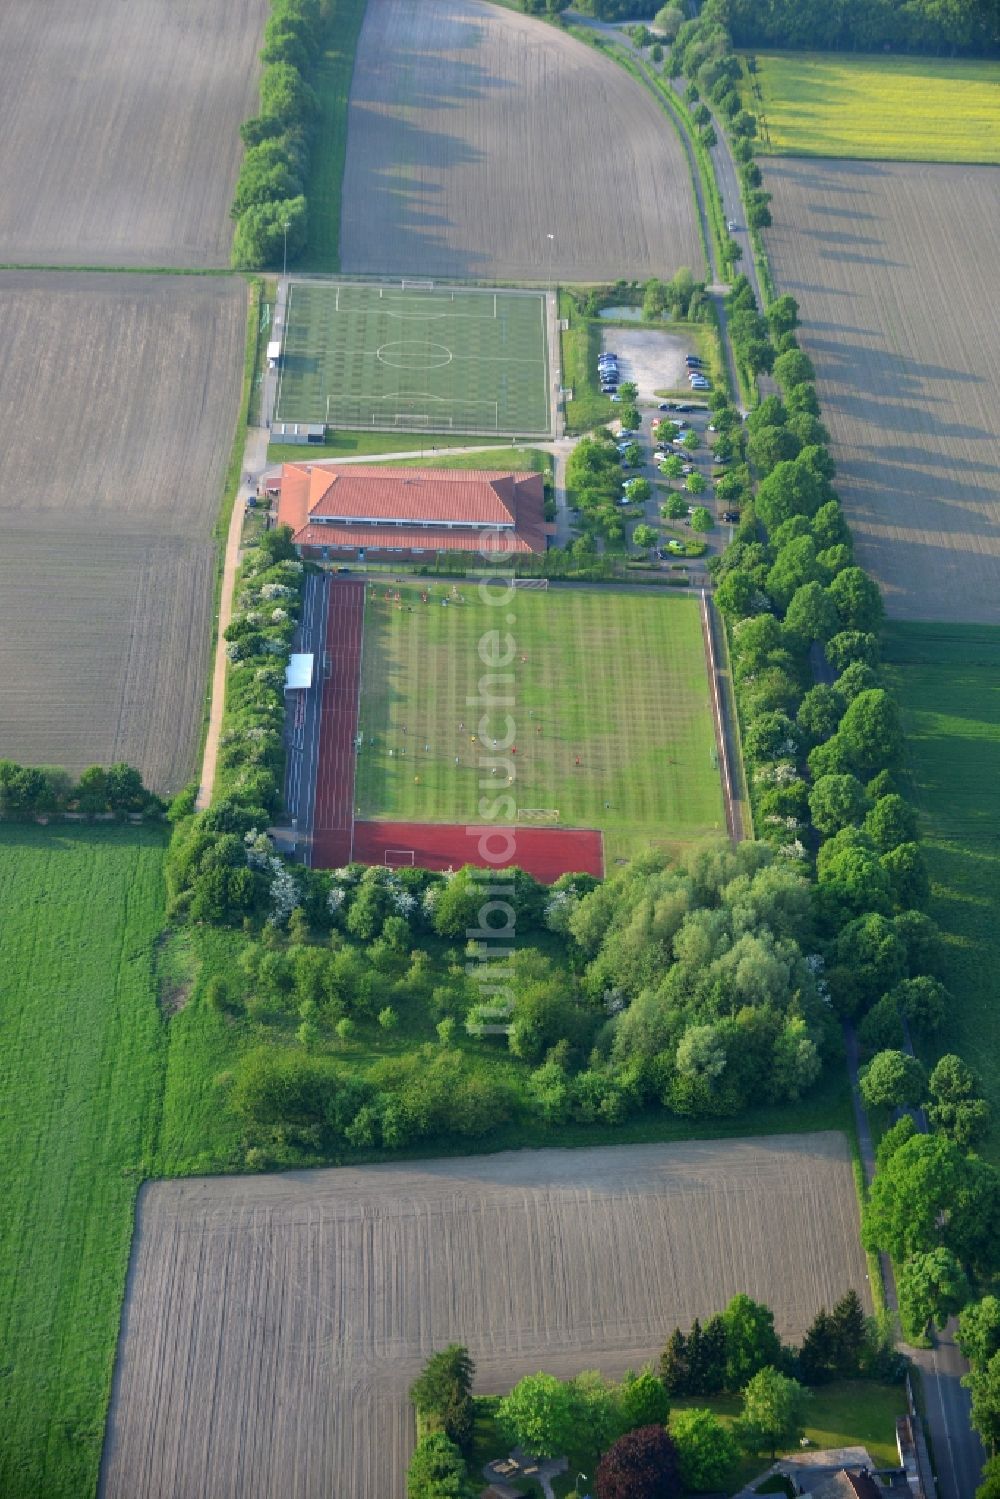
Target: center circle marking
[414, 354]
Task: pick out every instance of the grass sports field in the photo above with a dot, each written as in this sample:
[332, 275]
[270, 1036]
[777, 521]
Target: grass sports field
[416, 359]
[948, 681]
[81, 1068]
[889, 108]
[615, 679]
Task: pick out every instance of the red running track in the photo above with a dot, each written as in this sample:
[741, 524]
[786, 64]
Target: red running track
[544, 852]
[333, 820]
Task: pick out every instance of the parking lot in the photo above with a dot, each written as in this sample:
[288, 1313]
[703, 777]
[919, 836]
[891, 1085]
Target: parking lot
[687, 416]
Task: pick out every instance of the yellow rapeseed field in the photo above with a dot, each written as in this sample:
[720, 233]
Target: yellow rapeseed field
[887, 108]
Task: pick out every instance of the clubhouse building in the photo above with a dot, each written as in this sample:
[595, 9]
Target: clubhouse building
[363, 511]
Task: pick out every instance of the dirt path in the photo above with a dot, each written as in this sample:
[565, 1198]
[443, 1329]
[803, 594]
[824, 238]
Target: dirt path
[254, 463]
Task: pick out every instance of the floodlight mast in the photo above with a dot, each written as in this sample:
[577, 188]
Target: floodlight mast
[284, 256]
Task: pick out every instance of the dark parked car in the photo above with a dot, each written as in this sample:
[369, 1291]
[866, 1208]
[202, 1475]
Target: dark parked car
[731, 516]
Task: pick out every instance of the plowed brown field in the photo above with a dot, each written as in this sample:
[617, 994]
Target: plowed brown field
[895, 266]
[474, 133]
[119, 397]
[273, 1324]
[119, 128]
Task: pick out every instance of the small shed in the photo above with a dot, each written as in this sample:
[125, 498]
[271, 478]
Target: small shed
[299, 672]
[298, 432]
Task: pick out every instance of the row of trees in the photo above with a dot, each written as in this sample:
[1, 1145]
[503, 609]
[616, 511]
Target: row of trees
[269, 204]
[218, 867]
[30, 791]
[724, 1355]
[970, 26]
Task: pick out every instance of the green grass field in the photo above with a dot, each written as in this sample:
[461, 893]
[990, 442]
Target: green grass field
[948, 680]
[447, 360]
[81, 1071]
[343, 444]
[617, 679]
[877, 108]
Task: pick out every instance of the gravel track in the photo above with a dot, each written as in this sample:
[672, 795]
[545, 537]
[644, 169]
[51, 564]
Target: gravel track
[119, 396]
[119, 128]
[475, 132]
[273, 1324]
[895, 269]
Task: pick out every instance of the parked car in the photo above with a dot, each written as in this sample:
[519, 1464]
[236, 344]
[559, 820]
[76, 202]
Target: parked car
[693, 361]
[731, 516]
[667, 406]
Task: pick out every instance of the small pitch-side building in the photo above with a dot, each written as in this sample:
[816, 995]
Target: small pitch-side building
[365, 511]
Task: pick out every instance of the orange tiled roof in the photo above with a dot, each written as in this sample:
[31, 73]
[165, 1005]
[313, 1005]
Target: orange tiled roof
[338, 506]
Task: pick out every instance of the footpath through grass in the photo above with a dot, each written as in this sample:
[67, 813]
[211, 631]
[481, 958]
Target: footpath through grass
[947, 678]
[81, 1069]
[877, 108]
[611, 706]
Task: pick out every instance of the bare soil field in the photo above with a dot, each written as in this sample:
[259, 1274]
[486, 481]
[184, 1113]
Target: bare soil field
[119, 129]
[475, 132]
[273, 1324]
[119, 397]
[895, 269]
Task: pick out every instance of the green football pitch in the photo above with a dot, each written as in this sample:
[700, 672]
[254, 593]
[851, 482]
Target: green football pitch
[423, 358]
[610, 705]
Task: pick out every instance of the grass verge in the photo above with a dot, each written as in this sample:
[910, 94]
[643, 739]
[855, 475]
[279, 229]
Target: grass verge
[364, 444]
[81, 1069]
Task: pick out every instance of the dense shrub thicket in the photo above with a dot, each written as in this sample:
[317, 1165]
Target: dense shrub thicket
[694, 988]
[31, 791]
[270, 191]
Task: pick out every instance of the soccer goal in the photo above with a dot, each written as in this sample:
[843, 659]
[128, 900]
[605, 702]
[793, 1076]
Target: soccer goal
[398, 858]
